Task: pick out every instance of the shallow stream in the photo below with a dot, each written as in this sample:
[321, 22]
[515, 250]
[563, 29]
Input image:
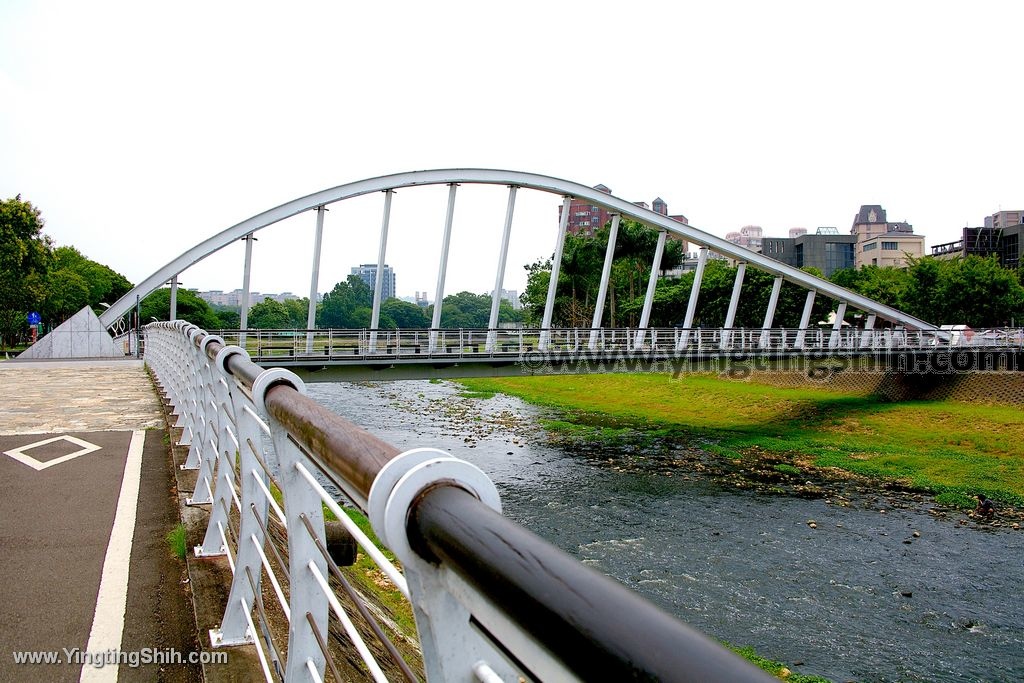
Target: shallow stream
[880, 588]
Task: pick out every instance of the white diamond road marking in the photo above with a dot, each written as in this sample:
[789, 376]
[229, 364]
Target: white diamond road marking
[20, 455]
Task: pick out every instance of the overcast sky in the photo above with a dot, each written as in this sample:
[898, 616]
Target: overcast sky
[142, 128]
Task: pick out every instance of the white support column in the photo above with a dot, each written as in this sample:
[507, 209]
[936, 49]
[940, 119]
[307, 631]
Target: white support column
[174, 299]
[243, 322]
[499, 279]
[769, 315]
[805, 320]
[837, 326]
[314, 282]
[606, 273]
[252, 514]
[378, 280]
[869, 326]
[734, 302]
[556, 266]
[652, 283]
[442, 269]
[691, 305]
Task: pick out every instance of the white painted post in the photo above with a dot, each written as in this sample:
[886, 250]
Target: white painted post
[174, 299]
[837, 326]
[499, 279]
[769, 315]
[734, 302]
[314, 282]
[805, 320]
[252, 515]
[652, 283]
[442, 269]
[378, 281]
[869, 326]
[244, 315]
[691, 305]
[305, 594]
[606, 272]
[556, 266]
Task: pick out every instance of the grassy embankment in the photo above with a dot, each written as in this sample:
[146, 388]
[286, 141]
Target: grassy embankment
[953, 450]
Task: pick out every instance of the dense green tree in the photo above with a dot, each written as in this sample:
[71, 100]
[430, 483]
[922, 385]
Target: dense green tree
[889, 286]
[974, 291]
[298, 312]
[25, 255]
[533, 299]
[157, 306]
[341, 307]
[229, 317]
[66, 293]
[105, 285]
[466, 310]
[270, 315]
[580, 276]
[403, 315]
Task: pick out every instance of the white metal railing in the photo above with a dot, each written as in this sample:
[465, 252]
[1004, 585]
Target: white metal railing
[488, 597]
[368, 345]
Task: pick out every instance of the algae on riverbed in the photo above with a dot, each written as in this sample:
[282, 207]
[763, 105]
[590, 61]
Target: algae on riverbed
[942, 447]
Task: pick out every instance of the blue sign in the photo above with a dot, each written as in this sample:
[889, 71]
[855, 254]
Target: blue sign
[34, 318]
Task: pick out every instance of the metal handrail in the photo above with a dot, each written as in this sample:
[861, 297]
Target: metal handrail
[524, 607]
[343, 345]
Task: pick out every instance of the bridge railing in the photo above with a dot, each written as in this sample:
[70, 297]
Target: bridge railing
[410, 344]
[492, 602]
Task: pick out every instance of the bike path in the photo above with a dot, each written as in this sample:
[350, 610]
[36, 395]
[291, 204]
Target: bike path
[87, 579]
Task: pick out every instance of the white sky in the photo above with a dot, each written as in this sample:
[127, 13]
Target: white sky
[142, 128]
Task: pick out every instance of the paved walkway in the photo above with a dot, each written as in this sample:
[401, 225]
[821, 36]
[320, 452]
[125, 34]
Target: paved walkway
[86, 502]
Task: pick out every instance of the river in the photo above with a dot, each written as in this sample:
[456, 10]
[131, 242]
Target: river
[881, 587]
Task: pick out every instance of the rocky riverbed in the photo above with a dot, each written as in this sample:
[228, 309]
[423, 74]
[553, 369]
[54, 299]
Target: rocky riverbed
[834, 574]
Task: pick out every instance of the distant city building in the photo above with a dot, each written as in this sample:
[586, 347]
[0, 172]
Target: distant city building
[1004, 219]
[826, 250]
[367, 272]
[586, 218]
[511, 296]
[233, 299]
[421, 299]
[882, 243]
[748, 236]
[1000, 237]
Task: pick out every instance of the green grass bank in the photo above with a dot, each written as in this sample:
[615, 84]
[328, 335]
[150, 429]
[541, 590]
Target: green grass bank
[951, 449]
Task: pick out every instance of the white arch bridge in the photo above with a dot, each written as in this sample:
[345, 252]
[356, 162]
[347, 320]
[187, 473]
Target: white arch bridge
[483, 345]
[492, 602]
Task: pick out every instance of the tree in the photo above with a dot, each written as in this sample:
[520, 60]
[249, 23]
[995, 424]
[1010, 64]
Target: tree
[66, 293]
[298, 312]
[579, 277]
[25, 255]
[534, 298]
[227, 318]
[270, 315]
[341, 307]
[466, 310]
[403, 315]
[189, 307]
[977, 291]
[105, 285]
[889, 286]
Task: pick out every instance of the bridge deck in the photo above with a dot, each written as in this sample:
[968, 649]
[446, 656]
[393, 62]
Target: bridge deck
[70, 524]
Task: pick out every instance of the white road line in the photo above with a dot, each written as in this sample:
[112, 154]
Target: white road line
[108, 621]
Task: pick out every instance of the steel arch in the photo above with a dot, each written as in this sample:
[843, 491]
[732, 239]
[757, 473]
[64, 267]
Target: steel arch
[527, 180]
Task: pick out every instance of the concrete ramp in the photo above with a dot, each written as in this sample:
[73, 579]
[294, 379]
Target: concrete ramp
[80, 336]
